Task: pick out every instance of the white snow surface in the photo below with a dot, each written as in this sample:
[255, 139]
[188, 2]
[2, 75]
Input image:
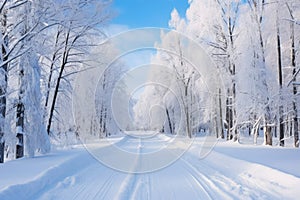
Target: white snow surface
[229, 171]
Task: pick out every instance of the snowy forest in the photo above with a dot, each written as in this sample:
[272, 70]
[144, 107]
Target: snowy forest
[254, 44]
[44, 43]
[149, 99]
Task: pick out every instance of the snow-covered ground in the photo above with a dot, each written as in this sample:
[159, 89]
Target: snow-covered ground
[229, 171]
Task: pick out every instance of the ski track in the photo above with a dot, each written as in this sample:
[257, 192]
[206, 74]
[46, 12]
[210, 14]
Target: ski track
[42, 183]
[189, 177]
[247, 182]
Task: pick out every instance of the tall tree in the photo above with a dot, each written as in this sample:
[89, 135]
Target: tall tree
[294, 67]
[219, 33]
[29, 96]
[257, 8]
[79, 20]
[3, 75]
[280, 77]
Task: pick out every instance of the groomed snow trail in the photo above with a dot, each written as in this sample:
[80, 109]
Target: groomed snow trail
[217, 176]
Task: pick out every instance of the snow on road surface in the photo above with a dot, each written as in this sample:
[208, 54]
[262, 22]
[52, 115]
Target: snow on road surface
[230, 171]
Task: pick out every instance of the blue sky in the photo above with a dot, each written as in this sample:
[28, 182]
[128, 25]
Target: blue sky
[133, 14]
[146, 13]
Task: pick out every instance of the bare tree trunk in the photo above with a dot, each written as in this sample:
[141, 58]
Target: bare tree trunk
[173, 125]
[3, 107]
[216, 124]
[216, 116]
[232, 66]
[255, 130]
[20, 118]
[169, 121]
[54, 56]
[3, 86]
[105, 121]
[267, 118]
[293, 57]
[281, 123]
[296, 126]
[221, 116]
[186, 110]
[229, 115]
[101, 119]
[188, 128]
[234, 120]
[293, 62]
[62, 67]
[291, 125]
[268, 134]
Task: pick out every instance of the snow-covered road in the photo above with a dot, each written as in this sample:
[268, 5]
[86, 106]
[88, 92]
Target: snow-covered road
[222, 174]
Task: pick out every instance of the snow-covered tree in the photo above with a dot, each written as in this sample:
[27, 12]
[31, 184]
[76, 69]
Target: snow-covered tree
[77, 22]
[239, 36]
[3, 75]
[219, 34]
[293, 10]
[27, 29]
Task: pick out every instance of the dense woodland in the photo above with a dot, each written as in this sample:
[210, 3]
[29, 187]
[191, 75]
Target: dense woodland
[254, 44]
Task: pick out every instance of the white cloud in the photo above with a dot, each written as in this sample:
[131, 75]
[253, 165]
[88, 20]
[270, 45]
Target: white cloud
[114, 29]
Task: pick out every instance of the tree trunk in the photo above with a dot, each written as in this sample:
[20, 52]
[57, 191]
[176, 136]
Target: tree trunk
[293, 57]
[296, 126]
[229, 115]
[255, 128]
[173, 116]
[101, 118]
[188, 128]
[221, 117]
[234, 120]
[104, 122]
[281, 123]
[268, 134]
[3, 86]
[62, 67]
[268, 128]
[20, 119]
[232, 70]
[216, 121]
[293, 63]
[186, 110]
[51, 69]
[169, 121]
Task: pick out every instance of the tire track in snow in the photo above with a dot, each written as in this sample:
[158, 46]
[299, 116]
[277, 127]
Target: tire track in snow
[43, 183]
[232, 184]
[213, 180]
[104, 189]
[88, 189]
[129, 183]
[141, 189]
[135, 186]
[198, 178]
